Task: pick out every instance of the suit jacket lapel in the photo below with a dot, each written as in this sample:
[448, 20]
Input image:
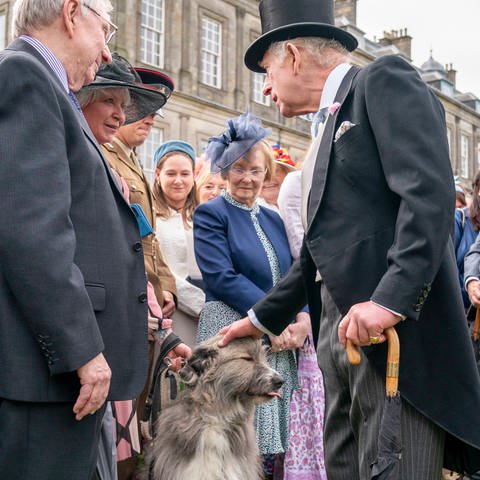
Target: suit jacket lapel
[20, 45]
[323, 156]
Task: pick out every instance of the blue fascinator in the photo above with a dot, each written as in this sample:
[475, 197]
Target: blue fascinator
[241, 135]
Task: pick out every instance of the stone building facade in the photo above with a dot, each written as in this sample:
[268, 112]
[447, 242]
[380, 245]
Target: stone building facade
[201, 43]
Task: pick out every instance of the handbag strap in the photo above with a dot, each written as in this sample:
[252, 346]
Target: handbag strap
[168, 344]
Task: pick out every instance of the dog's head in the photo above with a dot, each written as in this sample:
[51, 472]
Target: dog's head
[238, 370]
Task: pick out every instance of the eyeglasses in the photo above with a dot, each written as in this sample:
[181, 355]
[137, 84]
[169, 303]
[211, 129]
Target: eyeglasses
[112, 28]
[256, 174]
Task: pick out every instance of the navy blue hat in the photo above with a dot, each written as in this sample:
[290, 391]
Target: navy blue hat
[174, 146]
[242, 134]
[287, 19]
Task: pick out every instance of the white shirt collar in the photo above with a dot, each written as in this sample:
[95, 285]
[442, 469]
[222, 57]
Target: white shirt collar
[53, 62]
[332, 84]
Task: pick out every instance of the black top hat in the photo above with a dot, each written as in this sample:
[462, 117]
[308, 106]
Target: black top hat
[287, 19]
[145, 98]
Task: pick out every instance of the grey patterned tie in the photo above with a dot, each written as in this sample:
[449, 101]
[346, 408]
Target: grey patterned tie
[307, 173]
[317, 119]
[73, 98]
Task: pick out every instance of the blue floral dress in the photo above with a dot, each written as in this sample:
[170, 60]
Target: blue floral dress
[272, 418]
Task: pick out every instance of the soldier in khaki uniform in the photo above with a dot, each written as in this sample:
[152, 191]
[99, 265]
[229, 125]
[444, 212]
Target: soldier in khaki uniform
[121, 156]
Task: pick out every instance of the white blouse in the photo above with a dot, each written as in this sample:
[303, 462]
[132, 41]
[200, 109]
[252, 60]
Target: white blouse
[176, 244]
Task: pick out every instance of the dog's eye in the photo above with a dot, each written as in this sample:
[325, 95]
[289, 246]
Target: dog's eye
[248, 359]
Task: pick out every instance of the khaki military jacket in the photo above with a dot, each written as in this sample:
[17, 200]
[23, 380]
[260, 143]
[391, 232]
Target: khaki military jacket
[117, 155]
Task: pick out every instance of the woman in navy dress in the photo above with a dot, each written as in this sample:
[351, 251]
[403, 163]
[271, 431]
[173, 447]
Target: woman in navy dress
[242, 251]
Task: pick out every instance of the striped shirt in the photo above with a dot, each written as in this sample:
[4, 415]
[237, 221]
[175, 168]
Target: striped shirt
[50, 58]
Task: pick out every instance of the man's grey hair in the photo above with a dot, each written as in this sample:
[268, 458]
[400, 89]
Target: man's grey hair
[30, 15]
[326, 52]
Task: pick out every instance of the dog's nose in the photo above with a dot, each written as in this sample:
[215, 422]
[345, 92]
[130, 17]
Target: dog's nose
[277, 381]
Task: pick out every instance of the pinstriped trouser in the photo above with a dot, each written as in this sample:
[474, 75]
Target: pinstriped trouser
[354, 398]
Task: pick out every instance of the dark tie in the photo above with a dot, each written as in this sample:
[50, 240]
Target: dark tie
[73, 98]
[317, 119]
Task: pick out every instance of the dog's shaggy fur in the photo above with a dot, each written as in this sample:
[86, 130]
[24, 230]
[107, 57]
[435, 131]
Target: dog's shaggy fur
[208, 434]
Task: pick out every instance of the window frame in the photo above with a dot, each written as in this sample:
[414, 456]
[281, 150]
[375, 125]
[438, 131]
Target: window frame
[147, 150]
[203, 74]
[464, 159]
[152, 56]
[258, 80]
[4, 15]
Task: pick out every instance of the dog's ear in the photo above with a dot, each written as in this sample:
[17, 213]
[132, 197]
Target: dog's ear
[201, 359]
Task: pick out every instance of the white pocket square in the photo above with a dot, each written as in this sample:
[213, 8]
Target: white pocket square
[344, 127]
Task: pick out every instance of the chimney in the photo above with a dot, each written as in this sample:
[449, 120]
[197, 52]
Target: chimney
[400, 39]
[451, 73]
[347, 9]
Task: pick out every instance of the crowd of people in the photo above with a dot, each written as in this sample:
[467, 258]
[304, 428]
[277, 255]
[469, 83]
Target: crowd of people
[99, 266]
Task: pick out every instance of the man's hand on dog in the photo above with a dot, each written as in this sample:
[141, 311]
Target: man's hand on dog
[241, 328]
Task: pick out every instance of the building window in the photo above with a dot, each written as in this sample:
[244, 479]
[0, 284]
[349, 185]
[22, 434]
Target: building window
[211, 48]
[152, 32]
[3, 29]
[147, 150]
[257, 86]
[464, 155]
[478, 156]
[449, 138]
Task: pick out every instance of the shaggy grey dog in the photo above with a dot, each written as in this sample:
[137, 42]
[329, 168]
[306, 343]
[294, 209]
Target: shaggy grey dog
[208, 434]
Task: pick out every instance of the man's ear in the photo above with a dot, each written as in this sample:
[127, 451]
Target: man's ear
[294, 57]
[70, 12]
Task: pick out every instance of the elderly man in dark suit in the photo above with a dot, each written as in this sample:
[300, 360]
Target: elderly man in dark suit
[378, 202]
[73, 314]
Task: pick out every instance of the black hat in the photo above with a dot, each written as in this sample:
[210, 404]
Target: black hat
[154, 79]
[144, 98]
[287, 19]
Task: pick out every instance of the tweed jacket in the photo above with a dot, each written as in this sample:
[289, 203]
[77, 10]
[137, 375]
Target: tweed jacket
[380, 218]
[158, 271]
[72, 283]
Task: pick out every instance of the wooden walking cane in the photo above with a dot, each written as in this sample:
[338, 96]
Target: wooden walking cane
[393, 358]
[476, 326]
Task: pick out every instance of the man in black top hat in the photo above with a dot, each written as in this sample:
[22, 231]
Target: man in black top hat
[377, 210]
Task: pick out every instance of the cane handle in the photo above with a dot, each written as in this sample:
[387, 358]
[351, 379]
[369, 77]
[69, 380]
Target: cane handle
[353, 354]
[393, 359]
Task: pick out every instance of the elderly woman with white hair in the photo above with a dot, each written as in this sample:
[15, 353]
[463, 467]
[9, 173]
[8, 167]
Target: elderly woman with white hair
[242, 251]
[117, 97]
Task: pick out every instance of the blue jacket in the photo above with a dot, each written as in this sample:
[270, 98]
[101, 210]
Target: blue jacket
[464, 237]
[232, 260]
